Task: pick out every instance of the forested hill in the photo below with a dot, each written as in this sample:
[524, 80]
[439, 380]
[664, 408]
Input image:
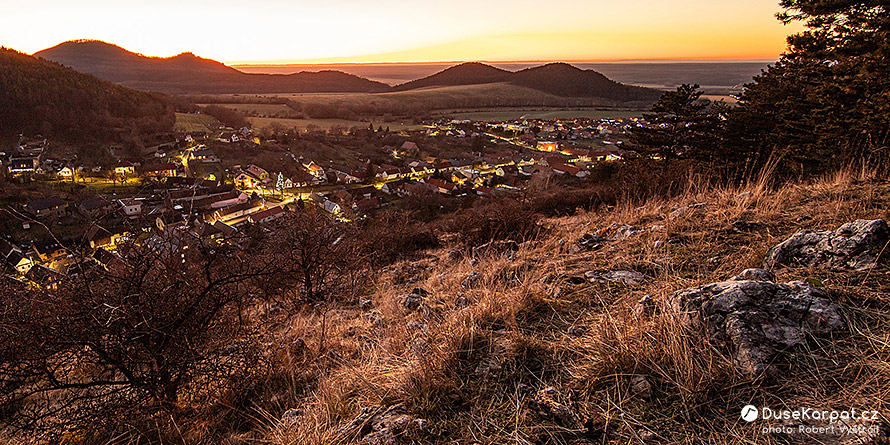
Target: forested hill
[188, 73]
[559, 79]
[42, 97]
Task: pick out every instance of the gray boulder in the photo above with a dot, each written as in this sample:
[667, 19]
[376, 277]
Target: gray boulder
[759, 319]
[854, 245]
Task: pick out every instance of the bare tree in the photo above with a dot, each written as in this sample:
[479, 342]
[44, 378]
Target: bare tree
[159, 328]
[318, 258]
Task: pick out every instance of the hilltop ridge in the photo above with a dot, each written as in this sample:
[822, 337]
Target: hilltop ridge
[188, 73]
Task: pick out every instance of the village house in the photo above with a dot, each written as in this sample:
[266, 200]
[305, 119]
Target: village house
[237, 211]
[410, 148]
[66, 173]
[19, 165]
[229, 137]
[547, 146]
[202, 155]
[124, 169]
[45, 207]
[387, 172]
[131, 207]
[95, 207]
[445, 188]
[246, 181]
[266, 215]
[166, 170]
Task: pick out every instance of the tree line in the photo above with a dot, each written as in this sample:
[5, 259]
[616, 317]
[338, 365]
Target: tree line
[823, 104]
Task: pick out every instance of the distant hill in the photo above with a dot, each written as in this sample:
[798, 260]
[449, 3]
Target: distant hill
[42, 97]
[471, 73]
[559, 79]
[562, 79]
[187, 73]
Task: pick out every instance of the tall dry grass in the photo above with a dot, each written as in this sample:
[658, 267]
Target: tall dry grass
[519, 312]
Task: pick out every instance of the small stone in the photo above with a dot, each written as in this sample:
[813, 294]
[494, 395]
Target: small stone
[419, 326]
[645, 307]
[641, 386]
[577, 331]
[471, 280]
[626, 277]
[291, 415]
[412, 302]
[646, 435]
[422, 424]
[755, 275]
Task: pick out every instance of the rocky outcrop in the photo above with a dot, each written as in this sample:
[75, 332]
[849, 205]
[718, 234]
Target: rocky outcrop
[759, 319]
[380, 425]
[856, 245]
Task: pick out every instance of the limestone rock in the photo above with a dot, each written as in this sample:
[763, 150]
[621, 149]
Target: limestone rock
[758, 319]
[854, 245]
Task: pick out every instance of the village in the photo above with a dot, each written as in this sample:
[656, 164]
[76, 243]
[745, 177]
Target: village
[182, 187]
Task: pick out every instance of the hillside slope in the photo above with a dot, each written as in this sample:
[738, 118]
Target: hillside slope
[41, 97]
[187, 73]
[539, 346]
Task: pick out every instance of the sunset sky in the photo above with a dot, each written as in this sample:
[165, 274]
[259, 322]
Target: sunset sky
[276, 31]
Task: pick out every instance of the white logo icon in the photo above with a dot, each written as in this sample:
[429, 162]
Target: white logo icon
[749, 413]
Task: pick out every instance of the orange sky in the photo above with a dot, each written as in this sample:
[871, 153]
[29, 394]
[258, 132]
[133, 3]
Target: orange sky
[301, 31]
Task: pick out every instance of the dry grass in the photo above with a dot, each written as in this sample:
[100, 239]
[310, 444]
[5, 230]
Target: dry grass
[519, 313]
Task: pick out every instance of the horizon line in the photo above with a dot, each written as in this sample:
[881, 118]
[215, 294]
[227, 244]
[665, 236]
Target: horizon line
[493, 62]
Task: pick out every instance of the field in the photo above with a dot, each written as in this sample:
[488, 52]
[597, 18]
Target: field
[505, 115]
[194, 122]
[405, 109]
[326, 124]
[261, 110]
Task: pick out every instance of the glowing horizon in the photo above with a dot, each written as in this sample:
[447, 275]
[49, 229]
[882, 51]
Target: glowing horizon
[275, 32]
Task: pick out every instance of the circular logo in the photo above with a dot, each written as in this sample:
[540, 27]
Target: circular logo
[749, 413]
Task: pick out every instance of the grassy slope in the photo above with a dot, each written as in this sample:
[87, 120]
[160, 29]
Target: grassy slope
[195, 122]
[527, 305]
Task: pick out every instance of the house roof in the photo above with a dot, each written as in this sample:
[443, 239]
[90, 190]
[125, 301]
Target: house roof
[46, 203]
[259, 216]
[161, 167]
[95, 203]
